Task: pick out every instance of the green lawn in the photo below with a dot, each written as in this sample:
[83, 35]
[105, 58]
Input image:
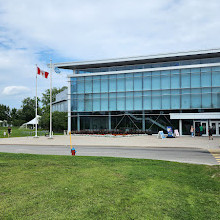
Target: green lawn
[65, 187]
[22, 132]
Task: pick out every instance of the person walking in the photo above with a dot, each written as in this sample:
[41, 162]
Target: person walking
[201, 130]
[192, 131]
[9, 131]
[210, 133]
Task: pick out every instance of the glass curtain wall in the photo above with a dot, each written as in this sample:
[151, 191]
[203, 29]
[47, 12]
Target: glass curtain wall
[195, 88]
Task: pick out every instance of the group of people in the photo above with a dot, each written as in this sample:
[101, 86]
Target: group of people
[199, 130]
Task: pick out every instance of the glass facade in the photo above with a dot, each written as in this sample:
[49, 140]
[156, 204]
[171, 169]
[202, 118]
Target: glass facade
[179, 89]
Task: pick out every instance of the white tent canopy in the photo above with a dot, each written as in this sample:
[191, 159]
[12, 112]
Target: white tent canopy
[32, 122]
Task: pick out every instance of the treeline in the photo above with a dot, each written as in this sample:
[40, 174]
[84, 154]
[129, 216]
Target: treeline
[17, 117]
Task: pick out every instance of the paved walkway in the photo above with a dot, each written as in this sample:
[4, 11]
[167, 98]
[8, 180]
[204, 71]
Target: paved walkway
[178, 154]
[126, 141]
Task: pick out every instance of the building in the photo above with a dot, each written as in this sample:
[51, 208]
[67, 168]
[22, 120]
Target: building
[146, 93]
[61, 103]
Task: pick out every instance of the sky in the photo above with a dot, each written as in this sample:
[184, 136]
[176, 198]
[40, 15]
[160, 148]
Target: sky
[33, 32]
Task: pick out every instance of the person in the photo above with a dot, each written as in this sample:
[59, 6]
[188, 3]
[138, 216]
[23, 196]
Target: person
[9, 131]
[210, 133]
[192, 131]
[197, 130]
[201, 130]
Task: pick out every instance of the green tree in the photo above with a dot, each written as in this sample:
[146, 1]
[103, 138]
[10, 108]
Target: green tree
[5, 113]
[59, 121]
[16, 117]
[28, 109]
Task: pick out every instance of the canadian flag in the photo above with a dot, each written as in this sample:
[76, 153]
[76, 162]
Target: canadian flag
[41, 72]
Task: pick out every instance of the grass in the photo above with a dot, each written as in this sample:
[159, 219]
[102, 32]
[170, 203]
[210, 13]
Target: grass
[65, 187]
[22, 132]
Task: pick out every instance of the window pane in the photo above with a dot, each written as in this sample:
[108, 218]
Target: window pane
[147, 100]
[216, 97]
[73, 102]
[195, 80]
[121, 101]
[206, 98]
[96, 84]
[96, 102]
[166, 99]
[73, 85]
[88, 84]
[185, 101]
[88, 102]
[129, 101]
[129, 82]
[80, 84]
[155, 80]
[120, 83]
[104, 102]
[175, 99]
[80, 103]
[196, 98]
[112, 101]
[185, 79]
[104, 83]
[147, 81]
[175, 79]
[137, 81]
[165, 79]
[137, 100]
[215, 78]
[156, 100]
[206, 79]
[112, 83]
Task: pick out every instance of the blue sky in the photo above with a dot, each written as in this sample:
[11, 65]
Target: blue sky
[32, 32]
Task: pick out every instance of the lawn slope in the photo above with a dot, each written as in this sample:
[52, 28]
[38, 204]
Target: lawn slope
[64, 187]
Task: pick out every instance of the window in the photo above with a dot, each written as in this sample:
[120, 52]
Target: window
[175, 79]
[137, 81]
[120, 83]
[147, 81]
[112, 83]
[129, 101]
[137, 100]
[96, 84]
[165, 79]
[155, 80]
[129, 82]
[104, 83]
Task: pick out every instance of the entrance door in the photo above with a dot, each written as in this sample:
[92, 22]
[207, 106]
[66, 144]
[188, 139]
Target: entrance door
[215, 127]
[197, 125]
[205, 128]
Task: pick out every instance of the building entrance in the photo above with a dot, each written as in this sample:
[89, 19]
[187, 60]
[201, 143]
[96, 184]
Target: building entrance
[205, 124]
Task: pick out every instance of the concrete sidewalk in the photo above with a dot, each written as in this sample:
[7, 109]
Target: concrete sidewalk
[123, 141]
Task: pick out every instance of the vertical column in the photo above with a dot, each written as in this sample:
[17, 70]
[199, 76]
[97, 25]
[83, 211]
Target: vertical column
[180, 127]
[69, 106]
[143, 120]
[78, 122]
[109, 121]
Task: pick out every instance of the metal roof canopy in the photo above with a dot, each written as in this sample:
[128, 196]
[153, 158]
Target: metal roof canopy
[205, 115]
[140, 60]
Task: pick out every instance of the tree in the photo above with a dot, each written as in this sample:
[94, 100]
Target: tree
[59, 121]
[28, 109]
[5, 113]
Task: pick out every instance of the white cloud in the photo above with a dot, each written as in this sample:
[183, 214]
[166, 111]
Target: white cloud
[15, 90]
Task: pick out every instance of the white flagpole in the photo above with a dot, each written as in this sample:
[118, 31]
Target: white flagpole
[36, 108]
[50, 98]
